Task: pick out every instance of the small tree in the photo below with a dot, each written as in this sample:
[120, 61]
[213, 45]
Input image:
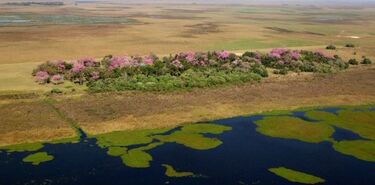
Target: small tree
[350, 45]
[353, 62]
[366, 61]
[331, 47]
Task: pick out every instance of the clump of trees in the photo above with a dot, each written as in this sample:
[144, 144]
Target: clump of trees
[183, 70]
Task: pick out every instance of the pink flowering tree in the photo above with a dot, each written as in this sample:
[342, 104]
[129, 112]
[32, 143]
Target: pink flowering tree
[57, 79]
[42, 77]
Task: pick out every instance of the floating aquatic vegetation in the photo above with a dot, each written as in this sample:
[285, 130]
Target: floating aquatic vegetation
[171, 172]
[138, 157]
[296, 176]
[192, 136]
[127, 138]
[360, 121]
[26, 147]
[294, 128]
[37, 158]
[361, 149]
[116, 151]
[357, 119]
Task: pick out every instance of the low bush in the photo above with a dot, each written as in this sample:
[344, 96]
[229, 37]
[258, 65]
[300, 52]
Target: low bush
[353, 61]
[350, 45]
[56, 91]
[331, 47]
[366, 61]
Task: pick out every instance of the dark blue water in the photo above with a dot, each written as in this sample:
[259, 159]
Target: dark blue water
[341, 134]
[244, 158]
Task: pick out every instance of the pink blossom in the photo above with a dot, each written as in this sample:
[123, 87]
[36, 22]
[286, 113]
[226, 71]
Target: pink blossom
[119, 62]
[278, 52]
[57, 79]
[78, 67]
[190, 57]
[42, 77]
[148, 60]
[94, 75]
[87, 61]
[276, 55]
[61, 66]
[295, 55]
[223, 54]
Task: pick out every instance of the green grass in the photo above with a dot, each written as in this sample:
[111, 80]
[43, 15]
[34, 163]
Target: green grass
[360, 122]
[25, 147]
[358, 119]
[37, 158]
[296, 176]
[138, 157]
[364, 150]
[116, 151]
[171, 172]
[127, 138]
[191, 136]
[205, 128]
[294, 128]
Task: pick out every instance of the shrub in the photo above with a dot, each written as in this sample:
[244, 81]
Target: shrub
[42, 77]
[56, 91]
[350, 45]
[249, 54]
[57, 79]
[281, 71]
[353, 61]
[331, 47]
[366, 61]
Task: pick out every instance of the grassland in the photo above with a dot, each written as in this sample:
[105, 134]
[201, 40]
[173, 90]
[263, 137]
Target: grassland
[169, 29]
[296, 176]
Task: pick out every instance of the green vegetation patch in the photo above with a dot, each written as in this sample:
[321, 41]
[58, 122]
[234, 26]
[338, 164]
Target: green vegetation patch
[192, 136]
[26, 147]
[360, 121]
[118, 143]
[205, 128]
[138, 157]
[294, 128]
[296, 176]
[127, 138]
[191, 140]
[364, 150]
[171, 172]
[116, 151]
[37, 158]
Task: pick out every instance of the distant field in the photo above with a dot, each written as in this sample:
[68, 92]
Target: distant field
[31, 35]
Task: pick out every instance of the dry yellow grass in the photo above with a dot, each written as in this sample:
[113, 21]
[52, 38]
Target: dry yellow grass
[109, 112]
[31, 121]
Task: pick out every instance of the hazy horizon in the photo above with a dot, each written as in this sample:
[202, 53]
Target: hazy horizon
[302, 2]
